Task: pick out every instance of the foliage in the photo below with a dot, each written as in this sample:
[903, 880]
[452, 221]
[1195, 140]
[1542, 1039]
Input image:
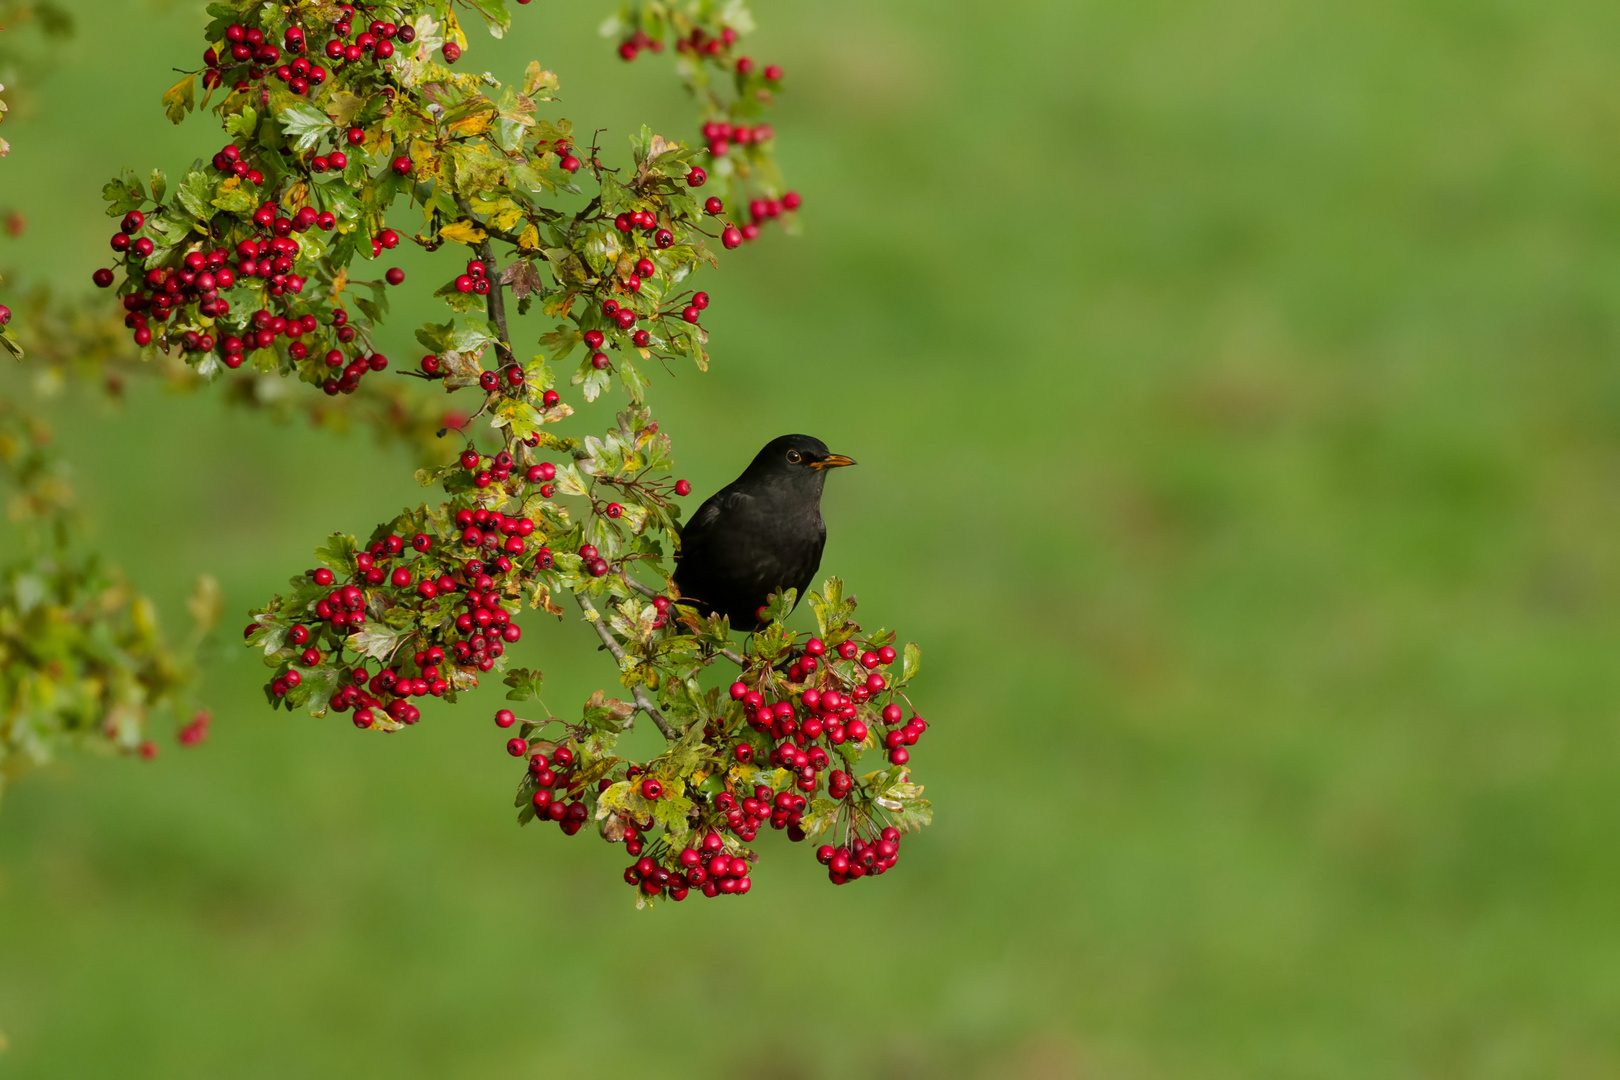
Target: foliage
[82, 660]
[343, 116]
[51, 21]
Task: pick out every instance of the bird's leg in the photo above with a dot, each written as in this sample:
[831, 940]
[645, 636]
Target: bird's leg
[643, 702]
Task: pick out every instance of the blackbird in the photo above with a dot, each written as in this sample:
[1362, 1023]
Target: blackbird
[759, 534]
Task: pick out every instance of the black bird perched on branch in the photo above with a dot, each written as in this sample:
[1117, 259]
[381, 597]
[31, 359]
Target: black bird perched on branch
[760, 534]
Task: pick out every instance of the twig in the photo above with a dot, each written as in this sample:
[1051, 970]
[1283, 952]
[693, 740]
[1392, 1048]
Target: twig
[643, 702]
[497, 302]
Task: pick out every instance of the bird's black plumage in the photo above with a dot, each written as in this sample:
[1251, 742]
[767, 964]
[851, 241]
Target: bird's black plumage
[759, 534]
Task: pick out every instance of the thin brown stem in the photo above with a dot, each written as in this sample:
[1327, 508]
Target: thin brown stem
[643, 702]
[497, 300]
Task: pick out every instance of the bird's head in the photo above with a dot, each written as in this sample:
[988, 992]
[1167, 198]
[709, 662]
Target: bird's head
[799, 460]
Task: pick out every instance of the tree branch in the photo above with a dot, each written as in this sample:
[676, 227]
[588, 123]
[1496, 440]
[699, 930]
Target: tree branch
[497, 302]
[643, 702]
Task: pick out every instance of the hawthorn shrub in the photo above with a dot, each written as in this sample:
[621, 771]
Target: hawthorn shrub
[353, 129]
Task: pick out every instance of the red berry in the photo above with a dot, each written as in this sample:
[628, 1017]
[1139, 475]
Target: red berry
[550, 398]
[697, 177]
[451, 51]
[791, 201]
[683, 487]
[713, 205]
[651, 789]
[395, 276]
[505, 718]
[103, 278]
[517, 747]
[739, 691]
[732, 237]
[402, 166]
[569, 163]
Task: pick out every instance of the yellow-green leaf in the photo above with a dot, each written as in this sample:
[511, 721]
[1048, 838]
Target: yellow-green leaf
[181, 98]
[463, 232]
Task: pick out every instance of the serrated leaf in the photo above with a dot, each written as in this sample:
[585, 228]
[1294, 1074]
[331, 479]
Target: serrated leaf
[195, 194]
[305, 125]
[244, 123]
[463, 232]
[180, 98]
[537, 81]
[569, 482]
[912, 662]
[232, 196]
[524, 683]
[344, 107]
[377, 640]
[124, 194]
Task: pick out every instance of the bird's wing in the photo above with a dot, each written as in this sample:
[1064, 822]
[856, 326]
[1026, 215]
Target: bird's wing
[812, 561]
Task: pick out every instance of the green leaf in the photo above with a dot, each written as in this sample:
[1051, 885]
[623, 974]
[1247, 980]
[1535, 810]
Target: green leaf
[911, 664]
[616, 198]
[181, 98]
[124, 194]
[525, 684]
[160, 185]
[195, 193]
[494, 13]
[305, 125]
[377, 640]
[243, 123]
[569, 481]
[232, 196]
[338, 554]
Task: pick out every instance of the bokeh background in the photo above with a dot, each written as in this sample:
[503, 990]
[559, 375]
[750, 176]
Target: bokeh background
[1236, 396]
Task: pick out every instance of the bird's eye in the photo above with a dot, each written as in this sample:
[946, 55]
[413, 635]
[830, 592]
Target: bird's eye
[794, 457]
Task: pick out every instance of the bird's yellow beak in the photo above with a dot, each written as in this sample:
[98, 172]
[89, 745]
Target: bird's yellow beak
[832, 461]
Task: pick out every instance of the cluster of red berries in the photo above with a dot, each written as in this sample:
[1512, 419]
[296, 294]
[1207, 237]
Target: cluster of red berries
[721, 136]
[861, 857]
[196, 730]
[631, 46]
[229, 161]
[706, 867]
[246, 47]
[475, 280]
[480, 632]
[830, 711]
[197, 279]
[557, 796]
[700, 43]
[762, 211]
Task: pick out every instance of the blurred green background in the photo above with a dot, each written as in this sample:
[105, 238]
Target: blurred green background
[1235, 392]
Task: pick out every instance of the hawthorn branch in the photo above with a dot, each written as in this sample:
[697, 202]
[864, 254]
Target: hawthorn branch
[497, 301]
[643, 702]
